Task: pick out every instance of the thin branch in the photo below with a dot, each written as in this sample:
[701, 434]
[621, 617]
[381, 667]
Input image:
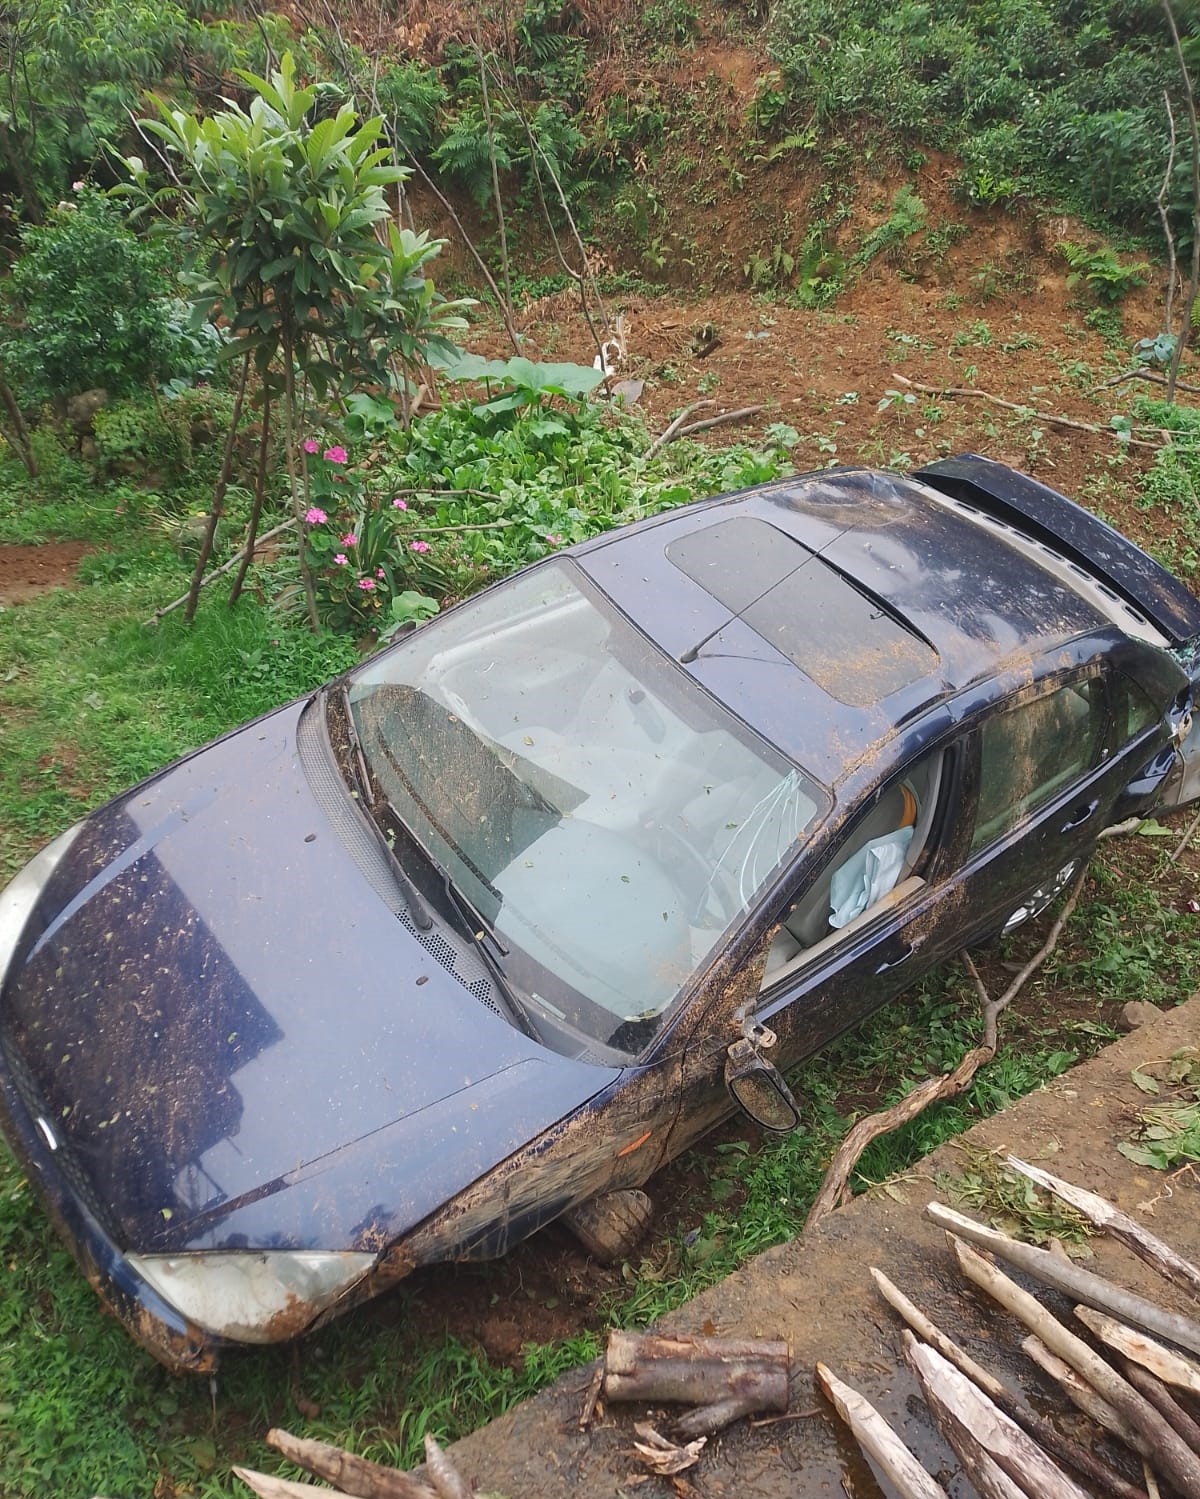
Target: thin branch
[1025, 411]
[673, 430]
[1189, 301]
[1161, 200]
[217, 572]
[1151, 375]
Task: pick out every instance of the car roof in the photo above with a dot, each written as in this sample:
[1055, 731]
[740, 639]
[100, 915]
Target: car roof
[826, 608]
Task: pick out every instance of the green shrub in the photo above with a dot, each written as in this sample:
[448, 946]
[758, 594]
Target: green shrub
[84, 306]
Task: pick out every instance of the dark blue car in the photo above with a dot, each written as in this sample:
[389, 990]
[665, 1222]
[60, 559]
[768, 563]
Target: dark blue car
[483, 933]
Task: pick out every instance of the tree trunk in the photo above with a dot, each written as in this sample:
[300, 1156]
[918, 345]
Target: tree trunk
[218, 499]
[260, 489]
[20, 431]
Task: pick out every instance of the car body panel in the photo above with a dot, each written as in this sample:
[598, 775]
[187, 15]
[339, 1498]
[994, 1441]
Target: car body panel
[300, 1105]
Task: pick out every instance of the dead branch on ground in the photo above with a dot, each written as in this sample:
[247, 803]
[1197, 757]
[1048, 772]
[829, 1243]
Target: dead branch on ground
[1142, 374]
[835, 1187]
[678, 429]
[217, 571]
[966, 391]
[722, 1378]
[348, 1473]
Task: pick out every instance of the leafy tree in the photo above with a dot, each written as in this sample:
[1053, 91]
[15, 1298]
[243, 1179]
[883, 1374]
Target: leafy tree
[282, 216]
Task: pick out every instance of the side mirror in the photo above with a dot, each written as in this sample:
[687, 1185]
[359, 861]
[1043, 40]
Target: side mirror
[758, 1088]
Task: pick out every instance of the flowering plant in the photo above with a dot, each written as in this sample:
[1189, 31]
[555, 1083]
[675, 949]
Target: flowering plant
[362, 551]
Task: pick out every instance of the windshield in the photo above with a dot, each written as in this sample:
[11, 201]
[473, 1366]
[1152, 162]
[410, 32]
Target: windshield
[601, 812]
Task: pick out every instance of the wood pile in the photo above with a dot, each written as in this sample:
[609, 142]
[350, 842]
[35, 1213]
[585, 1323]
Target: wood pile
[1133, 1376]
[1132, 1385]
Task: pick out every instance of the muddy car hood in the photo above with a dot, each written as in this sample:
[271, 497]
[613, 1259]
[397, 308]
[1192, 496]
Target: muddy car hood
[237, 1043]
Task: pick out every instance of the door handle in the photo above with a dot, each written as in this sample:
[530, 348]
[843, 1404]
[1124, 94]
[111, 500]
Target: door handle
[902, 956]
[1080, 816]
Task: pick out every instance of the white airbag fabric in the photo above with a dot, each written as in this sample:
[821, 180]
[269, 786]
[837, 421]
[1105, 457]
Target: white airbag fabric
[867, 876]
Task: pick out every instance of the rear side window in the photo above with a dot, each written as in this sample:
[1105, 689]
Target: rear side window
[1032, 751]
[1133, 711]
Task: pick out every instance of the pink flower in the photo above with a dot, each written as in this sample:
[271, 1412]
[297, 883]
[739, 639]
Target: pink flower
[77, 187]
[379, 573]
[349, 540]
[399, 504]
[335, 455]
[315, 516]
[311, 444]
[366, 584]
[418, 546]
[341, 559]
[555, 541]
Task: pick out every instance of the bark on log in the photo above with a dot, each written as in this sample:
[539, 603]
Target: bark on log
[1079, 1392]
[1106, 1216]
[700, 1371]
[1154, 1438]
[1067, 1451]
[1171, 1368]
[1163, 1402]
[267, 1486]
[1066, 1276]
[1017, 1454]
[878, 1440]
[347, 1472]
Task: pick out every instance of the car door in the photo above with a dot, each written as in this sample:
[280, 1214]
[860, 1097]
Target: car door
[1044, 775]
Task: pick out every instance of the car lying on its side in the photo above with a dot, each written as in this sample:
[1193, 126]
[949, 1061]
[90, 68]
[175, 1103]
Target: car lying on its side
[482, 933]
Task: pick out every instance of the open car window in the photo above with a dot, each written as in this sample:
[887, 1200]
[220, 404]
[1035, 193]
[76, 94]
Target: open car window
[602, 812]
[880, 862]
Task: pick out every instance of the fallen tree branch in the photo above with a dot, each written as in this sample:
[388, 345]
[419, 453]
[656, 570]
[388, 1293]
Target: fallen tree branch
[672, 430]
[267, 1486]
[348, 1473]
[1078, 1391]
[1163, 1402]
[447, 1481]
[964, 391]
[835, 1187]
[1111, 1220]
[878, 1440]
[216, 573]
[740, 415]
[1152, 375]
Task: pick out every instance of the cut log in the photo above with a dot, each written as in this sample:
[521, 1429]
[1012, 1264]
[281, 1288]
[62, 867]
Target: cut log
[1074, 1281]
[1154, 1439]
[1079, 1392]
[267, 1486]
[878, 1440]
[1015, 1453]
[699, 1371]
[351, 1474]
[1104, 1215]
[1171, 1368]
[1107, 1480]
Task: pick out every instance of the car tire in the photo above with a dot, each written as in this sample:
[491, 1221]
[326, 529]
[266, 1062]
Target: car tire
[611, 1226]
[1037, 900]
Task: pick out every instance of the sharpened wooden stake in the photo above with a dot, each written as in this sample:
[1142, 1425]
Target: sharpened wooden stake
[1154, 1439]
[346, 1471]
[1060, 1446]
[447, 1481]
[878, 1440]
[1066, 1276]
[1078, 1391]
[1111, 1220]
[1171, 1368]
[986, 1427]
[267, 1486]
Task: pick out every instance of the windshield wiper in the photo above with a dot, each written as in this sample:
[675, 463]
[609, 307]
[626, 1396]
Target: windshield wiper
[373, 800]
[491, 951]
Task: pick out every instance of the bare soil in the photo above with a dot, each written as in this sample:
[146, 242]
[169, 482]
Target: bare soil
[27, 571]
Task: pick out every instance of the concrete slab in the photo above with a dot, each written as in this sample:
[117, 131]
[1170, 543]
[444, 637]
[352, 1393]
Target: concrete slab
[816, 1292]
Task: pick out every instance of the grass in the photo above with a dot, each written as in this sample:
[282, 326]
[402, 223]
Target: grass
[91, 700]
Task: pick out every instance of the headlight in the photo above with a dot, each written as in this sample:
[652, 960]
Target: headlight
[254, 1298]
[19, 898]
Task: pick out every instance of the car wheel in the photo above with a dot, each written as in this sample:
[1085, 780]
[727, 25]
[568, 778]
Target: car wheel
[611, 1226]
[1037, 900]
